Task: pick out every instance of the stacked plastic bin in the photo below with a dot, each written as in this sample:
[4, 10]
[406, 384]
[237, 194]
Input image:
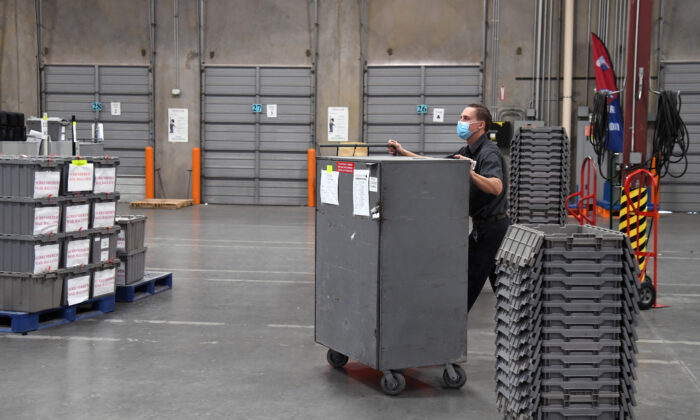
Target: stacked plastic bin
[565, 323]
[12, 126]
[131, 249]
[57, 246]
[539, 176]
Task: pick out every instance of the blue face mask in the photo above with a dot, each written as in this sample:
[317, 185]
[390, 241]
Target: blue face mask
[463, 129]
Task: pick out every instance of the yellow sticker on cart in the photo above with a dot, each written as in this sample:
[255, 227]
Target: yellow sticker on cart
[80, 162]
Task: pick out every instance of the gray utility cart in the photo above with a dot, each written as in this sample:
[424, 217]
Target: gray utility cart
[391, 264]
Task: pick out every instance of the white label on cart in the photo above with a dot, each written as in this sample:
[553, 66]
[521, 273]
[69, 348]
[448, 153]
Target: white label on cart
[121, 240]
[77, 217]
[105, 180]
[104, 256]
[46, 184]
[78, 290]
[360, 192]
[104, 282]
[45, 220]
[373, 184]
[329, 187]
[104, 214]
[121, 275]
[80, 177]
[46, 258]
[77, 253]
[105, 243]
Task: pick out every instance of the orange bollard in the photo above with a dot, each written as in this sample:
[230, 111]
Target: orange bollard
[196, 174]
[150, 185]
[311, 165]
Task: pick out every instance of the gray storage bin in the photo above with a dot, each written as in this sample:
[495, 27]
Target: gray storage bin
[132, 234]
[75, 213]
[30, 253]
[33, 177]
[103, 210]
[104, 244]
[30, 216]
[77, 285]
[77, 247]
[133, 265]
[104, 279]
[78, 176]
[23, 292]
[105, 171]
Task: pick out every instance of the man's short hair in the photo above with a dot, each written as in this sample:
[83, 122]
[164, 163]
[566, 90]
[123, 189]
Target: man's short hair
[483, 114]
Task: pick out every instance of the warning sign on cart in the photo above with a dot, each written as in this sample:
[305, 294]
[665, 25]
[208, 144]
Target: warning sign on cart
[345, 167]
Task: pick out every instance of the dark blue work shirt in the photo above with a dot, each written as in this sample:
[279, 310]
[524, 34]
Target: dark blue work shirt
[490, 164]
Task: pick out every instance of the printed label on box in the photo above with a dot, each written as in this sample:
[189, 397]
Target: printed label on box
[103, 282]
[121, 239]
[46, 184]
[77, 253]
[78, 290]
[105, 243]
[77, 218]
[104, 214]
[46, 258]
[80, 177]
[104, 256]
[45, 220]
[105, 180]
[121, 275]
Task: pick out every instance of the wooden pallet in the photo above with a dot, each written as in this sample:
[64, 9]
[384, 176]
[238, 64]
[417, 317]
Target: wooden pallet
[161, 203]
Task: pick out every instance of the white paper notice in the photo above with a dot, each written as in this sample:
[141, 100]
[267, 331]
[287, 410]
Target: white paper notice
[329, 187]
[104, 256]
[438, 115]
[46, 258]
[105, 243]
[116, 108]
[105, 180]
[337, 124]
[77, 253]
[45, 220]
[121, 276]
[121, 240]
[271, 110]
[104, 214]
[373, 184]
[360, 192]
[80, 177]
[78, 290]
[46, 184]
[177, 125]
[104, 282]
[77, 218]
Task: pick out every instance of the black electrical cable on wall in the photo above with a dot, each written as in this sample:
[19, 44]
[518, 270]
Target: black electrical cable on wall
[599, 130]
[671, 140]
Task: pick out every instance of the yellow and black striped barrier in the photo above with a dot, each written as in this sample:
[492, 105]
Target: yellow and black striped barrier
[637, 223]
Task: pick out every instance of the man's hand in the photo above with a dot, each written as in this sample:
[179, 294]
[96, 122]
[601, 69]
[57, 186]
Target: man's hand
[471, 161]
[394, 147]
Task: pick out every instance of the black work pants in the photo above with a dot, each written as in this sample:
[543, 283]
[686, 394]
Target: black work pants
[484, 241]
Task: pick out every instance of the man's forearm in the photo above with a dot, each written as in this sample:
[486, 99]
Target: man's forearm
[492, 186]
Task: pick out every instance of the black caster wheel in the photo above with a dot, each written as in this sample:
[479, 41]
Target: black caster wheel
[335, 359]
[455, 383]
[393, 383]
[647, 294]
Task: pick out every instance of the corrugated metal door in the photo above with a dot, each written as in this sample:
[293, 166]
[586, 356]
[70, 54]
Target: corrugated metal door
[683, 194]
[71, 90]
[392, 94]
[250, 158]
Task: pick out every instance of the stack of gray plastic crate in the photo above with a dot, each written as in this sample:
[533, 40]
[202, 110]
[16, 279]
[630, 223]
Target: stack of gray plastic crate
[539, 175]
[58, 238]
[565, 323]
[131, 249]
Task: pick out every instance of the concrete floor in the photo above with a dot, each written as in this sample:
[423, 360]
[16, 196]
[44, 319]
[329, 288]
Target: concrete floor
[234, 338]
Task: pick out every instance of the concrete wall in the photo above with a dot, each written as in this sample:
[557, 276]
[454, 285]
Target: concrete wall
[280, 32]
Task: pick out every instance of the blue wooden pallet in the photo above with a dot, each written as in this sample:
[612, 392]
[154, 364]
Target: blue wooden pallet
[23, 322]
[153, 282]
